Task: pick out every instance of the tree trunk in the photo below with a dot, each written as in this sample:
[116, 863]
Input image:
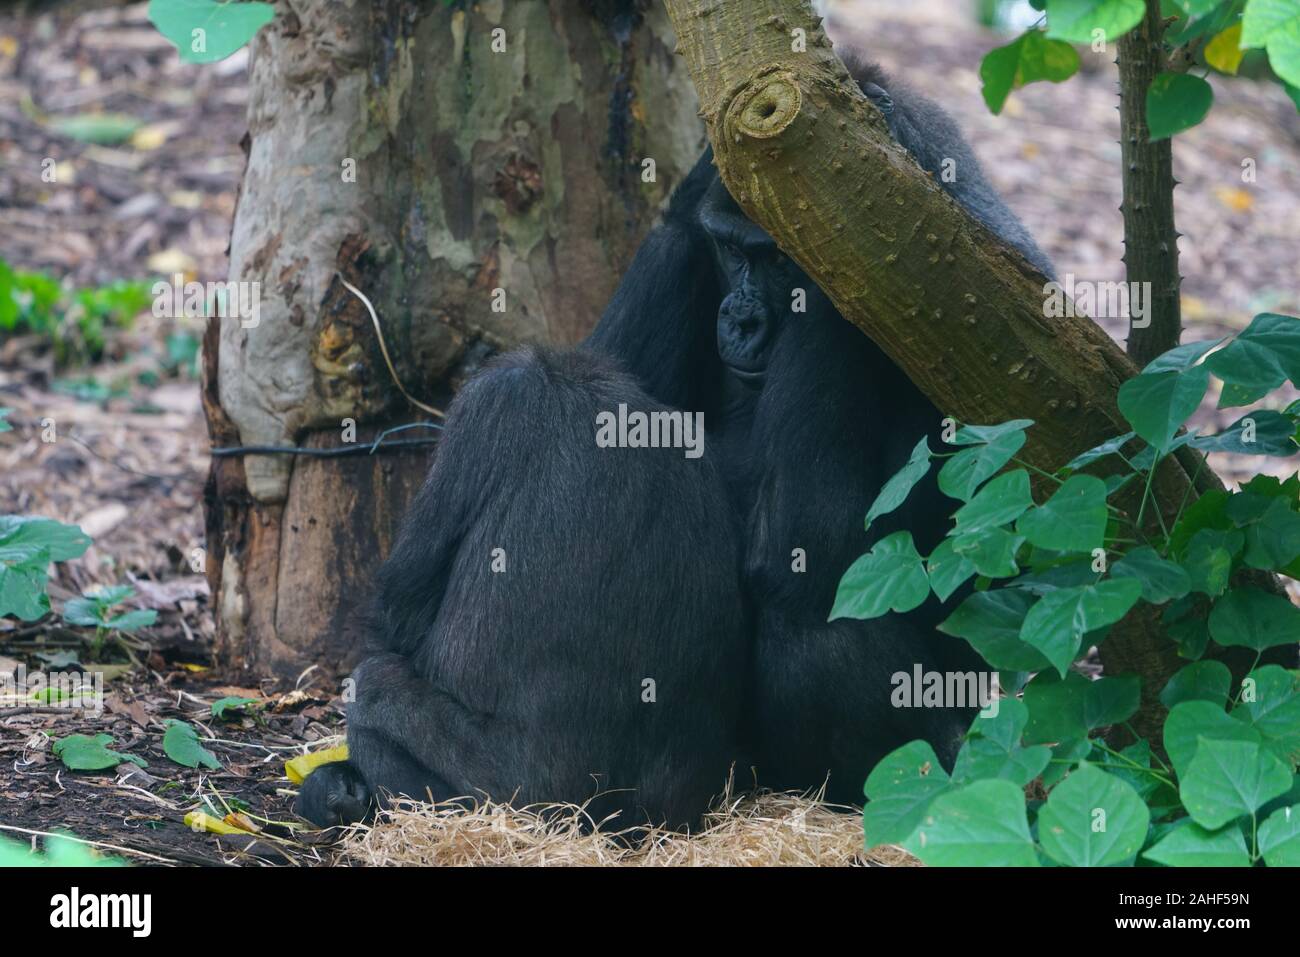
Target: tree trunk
[478, 173]
[1150, 238]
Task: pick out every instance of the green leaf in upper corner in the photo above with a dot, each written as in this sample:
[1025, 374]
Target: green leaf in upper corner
[1259, 433]
[1176, 102]
[1253, 618]
[990, 622]
[1109, 447]
[890, 577]
[223, 706]
[1161, 579]
[901, 484]
[1275, 25]
[1199, 681]
[948, 571]
[1029, 57]
[1002, 500]
[181, 744]
[1190, 845]
[1227, 779]
[205, 31]
[979, 825]
[1057, 624]
[966, 471]
[1258, 359]
[1279, 838]
[81, 752]
[1093, 819]
[900, 789]
[1072, 520]
[1157, 404]
[1075, 20]
[1191, 722]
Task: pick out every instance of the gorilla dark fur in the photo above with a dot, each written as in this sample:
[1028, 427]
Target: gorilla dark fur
[559, 620]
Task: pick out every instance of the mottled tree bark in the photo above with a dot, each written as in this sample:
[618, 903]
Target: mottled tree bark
[445, 159]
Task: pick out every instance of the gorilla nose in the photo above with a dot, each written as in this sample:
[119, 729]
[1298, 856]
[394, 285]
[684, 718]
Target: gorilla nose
[744, 331]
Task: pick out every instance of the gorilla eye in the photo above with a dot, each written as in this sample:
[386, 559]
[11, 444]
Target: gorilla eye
[732, 254]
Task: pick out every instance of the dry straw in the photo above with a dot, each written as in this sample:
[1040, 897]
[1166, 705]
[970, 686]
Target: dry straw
[765, 829]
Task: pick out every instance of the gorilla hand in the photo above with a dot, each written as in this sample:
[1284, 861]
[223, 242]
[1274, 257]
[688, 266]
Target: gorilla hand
[335, 794]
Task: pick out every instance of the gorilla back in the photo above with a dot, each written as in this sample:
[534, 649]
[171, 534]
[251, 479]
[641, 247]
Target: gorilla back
[557, 621]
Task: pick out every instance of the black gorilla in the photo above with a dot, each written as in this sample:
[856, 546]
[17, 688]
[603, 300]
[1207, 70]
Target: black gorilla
[560, 620]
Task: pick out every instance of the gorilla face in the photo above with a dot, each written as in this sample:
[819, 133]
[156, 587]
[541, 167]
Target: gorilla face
[757, 282]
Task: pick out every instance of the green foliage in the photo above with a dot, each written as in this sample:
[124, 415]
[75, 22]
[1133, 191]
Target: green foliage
[205, 31]
[1220, 31]
[104, 129]
[96, 609]
[1176, 102]
[223, 707]
[27, 546]
[60, 851]
[1031, 56]
[1075, 20]
[82, 752]
[75, 321]
[1053, 570]
[181, 744]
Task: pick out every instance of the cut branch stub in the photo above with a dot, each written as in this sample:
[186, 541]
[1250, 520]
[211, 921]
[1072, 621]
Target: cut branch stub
[765, 107]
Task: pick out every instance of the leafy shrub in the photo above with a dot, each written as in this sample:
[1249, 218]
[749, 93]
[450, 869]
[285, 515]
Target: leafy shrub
[76, 322]
[97, 609]
[1219, 33]
[1050, 579]
[27, 546]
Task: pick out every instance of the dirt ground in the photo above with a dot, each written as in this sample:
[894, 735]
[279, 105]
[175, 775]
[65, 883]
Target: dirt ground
[130, 457]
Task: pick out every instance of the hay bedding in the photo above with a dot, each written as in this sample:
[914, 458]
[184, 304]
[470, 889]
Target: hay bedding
[766, 829]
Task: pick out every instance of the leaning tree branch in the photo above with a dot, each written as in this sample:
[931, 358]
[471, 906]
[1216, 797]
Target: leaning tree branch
[809, 159]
